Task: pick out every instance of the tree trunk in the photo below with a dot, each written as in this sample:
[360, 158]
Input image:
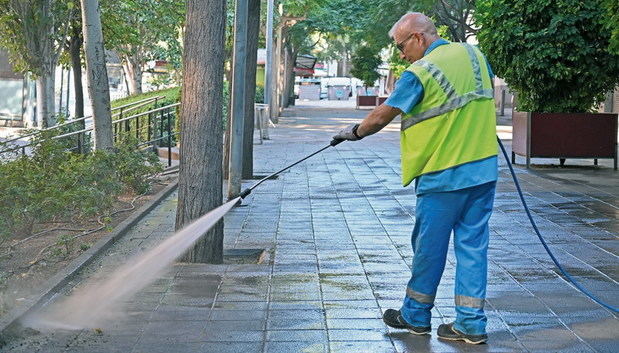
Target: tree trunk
[98, 85]
[76, 64]
[250, 87]
[200, 175]
[288, 75]
[45, 100]
[228, 116]
[278, 69]
[132, 65]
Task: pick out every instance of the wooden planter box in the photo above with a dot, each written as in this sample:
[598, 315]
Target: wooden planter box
[370, 101]
[564, 135]
[366, 101]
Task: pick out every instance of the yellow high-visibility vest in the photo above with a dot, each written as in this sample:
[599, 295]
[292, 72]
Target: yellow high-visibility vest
[455, 122]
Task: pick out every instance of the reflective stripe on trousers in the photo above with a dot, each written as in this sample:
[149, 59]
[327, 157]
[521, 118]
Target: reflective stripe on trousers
[466, 212]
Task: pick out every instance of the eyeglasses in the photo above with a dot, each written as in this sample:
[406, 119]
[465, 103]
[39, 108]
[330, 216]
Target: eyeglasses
[400, 45]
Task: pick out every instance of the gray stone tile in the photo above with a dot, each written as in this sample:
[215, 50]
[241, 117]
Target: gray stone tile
[164, 347]
[356, 324]
[296, 347]
[238, 315]
[355, 334]
[240, 325]
[231, 347]
[232, 336]
[297, 335]
[362, 347]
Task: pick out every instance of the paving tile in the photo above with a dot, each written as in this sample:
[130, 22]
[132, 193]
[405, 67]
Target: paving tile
[297, 335]
[354, 334]
[230, 347]
[296, 347]
[362, 347]
[164, 347]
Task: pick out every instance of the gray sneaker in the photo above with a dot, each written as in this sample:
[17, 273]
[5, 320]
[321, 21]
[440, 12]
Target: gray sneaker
[448, 332]
[393, 318]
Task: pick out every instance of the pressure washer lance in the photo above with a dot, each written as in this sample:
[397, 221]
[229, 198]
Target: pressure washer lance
[248, 191]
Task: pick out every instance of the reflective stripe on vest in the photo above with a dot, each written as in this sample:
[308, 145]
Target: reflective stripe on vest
[454, 102]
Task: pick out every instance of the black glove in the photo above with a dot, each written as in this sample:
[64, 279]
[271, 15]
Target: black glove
[349, 133]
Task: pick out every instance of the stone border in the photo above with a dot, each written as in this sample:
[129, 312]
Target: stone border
[51, 288]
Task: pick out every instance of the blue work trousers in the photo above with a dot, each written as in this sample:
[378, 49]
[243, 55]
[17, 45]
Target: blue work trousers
[466, 212]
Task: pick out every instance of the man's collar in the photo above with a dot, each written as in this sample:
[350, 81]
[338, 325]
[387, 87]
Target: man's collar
[435, 44]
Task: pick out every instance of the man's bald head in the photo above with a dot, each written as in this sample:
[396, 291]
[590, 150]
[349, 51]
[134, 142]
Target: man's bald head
[414, 22]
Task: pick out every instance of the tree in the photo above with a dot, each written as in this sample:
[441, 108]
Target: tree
[142, 30]
[250, 87]
[553, 54]
[33, 32]
[75, 51]
[96, 71]
[612, 23]
[365, 62]
[200, 176]
[457, 15]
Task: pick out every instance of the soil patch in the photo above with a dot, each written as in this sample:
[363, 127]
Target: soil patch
[26, 263]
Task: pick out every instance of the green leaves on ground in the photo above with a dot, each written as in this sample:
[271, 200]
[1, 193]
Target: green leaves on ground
[554, 54]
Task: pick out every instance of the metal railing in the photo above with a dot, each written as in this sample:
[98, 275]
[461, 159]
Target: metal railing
[116, 112]
[151, 128]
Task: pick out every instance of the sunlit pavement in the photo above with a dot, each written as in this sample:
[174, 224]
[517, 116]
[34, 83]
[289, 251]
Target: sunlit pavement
[337, 231]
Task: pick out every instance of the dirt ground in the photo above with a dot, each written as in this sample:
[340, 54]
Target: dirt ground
[27, 263]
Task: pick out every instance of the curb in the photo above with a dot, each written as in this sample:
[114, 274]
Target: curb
[50, 289]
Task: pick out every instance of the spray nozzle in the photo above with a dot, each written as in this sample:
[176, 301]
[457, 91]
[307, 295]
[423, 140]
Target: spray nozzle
[335, 142]
[244, 193]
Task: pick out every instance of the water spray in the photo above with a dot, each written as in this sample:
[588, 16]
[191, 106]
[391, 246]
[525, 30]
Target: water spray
[98, 303]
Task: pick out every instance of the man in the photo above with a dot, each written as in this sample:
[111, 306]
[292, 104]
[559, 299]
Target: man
[448, 146]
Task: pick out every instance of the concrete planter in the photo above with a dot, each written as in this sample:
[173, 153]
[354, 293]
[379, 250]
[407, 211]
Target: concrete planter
[564, 135]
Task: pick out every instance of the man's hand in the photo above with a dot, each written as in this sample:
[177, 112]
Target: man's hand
[349, 133]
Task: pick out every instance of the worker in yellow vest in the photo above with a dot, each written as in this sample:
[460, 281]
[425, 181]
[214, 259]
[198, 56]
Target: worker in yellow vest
[448, 146]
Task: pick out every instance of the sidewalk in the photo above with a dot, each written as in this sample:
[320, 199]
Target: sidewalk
[337, 229]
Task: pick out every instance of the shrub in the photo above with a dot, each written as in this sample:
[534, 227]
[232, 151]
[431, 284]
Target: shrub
[52, 183]
[554, 54]
[259, 96]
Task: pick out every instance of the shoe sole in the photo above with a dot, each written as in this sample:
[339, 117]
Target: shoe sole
[418, 333]
[408, 329]
[462, 339]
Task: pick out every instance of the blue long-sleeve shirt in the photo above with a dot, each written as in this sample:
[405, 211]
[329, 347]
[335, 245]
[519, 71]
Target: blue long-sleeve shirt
[407, 94]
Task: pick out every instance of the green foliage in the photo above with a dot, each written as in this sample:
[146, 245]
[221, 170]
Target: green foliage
[33, 31]
[365, 62]
[259, 97]
[53, 184]
[396, 64]
[64, 245]
[554, 54]
[612, 23]
[143, 30]
[171, 96]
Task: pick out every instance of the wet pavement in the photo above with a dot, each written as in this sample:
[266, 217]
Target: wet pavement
[337, 232]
